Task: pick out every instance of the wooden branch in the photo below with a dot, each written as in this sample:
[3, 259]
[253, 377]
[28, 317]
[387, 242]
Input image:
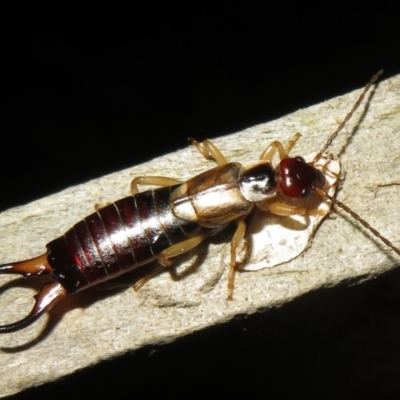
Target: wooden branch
[97, 325]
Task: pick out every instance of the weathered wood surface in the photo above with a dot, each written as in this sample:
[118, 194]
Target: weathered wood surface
[94, 326]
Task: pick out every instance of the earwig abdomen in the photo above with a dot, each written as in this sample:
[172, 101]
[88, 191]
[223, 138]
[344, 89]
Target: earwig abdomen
[114, 240]
[118, 238]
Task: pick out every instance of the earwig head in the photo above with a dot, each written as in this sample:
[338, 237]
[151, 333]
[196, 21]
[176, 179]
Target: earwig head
[298, 178]
[257, 182]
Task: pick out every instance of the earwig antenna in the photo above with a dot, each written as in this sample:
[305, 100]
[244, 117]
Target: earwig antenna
[388, 243]
[348, 116]
[322, 193]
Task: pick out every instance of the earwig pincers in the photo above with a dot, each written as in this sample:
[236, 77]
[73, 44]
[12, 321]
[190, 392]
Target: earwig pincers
[162, 223]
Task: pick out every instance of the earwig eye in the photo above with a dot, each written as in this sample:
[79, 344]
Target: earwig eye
[305, 193]
[301, 159]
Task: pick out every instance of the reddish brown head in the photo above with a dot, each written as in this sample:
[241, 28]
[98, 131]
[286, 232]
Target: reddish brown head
[297, 178]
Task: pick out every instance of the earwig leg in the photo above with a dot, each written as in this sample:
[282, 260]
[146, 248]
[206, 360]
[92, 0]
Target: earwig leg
[146, 278]
[164, 257]
[325, 168]
[237, 238]
[274, 147]
[49, 294]
[179, 248]
[286, 210]
[209, 151]
[152, 180]
[99, 206]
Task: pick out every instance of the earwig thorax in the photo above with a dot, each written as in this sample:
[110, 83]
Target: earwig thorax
[258, 182]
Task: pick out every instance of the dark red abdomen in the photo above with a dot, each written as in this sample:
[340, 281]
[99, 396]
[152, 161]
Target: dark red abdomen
[118, 238]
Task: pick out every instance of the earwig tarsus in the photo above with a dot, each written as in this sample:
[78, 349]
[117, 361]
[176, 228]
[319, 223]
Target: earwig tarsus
[166, 222]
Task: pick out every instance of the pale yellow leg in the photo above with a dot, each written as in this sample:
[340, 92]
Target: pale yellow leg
[274, 147]
[327, 171]
[99, 206]
[287, 210]
[147, 277]
[209, 151]
[152, 180]
[179, 248]
[173, 251]
[237, 238]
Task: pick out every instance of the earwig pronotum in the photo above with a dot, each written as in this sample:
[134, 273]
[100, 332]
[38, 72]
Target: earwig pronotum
[163, 223]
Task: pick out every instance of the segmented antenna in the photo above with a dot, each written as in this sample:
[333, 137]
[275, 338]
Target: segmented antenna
[348, 116]
[388, 243]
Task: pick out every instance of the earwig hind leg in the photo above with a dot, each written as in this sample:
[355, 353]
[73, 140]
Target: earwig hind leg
[152, 180]
[141, 282]
[157, 271]
[236, 240]
[274, 147]
[173, 251]
[209, 151]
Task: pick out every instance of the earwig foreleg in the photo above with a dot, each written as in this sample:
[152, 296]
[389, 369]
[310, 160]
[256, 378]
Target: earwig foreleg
[274, 147]
[209, 151]
[286, 210]
[152, 180]
[326, 169]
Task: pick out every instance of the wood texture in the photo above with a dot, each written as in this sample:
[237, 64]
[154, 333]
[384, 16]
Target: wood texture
[97, 325]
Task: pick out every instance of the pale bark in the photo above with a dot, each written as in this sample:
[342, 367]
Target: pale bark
[96, 327]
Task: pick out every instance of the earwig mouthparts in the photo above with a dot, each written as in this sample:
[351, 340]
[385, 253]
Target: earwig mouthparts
[48, 295]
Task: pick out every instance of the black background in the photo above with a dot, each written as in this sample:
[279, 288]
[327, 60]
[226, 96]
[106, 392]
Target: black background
[89, 90]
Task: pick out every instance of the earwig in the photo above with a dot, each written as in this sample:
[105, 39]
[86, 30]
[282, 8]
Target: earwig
[162, 223]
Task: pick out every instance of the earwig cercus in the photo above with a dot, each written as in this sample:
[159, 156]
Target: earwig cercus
[269, 282]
